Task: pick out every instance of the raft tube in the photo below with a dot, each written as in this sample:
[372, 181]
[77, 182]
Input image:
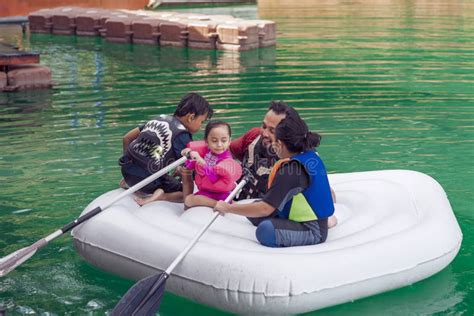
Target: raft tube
[395, 228]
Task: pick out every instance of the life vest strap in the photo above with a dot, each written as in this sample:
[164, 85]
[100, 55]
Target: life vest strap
[275, 168]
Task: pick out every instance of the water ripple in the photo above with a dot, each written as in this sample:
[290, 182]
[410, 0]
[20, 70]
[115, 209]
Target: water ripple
[387, 84]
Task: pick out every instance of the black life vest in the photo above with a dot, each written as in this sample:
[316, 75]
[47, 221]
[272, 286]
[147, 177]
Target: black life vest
[152, 149]
[257, 162]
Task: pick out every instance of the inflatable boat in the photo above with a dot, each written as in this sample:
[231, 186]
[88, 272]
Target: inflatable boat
[395, 228]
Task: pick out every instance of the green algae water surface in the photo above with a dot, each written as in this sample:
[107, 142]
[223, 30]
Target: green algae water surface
[389, 85]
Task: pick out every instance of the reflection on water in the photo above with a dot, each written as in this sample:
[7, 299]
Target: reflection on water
[235, 62]
[19, 111]
[13, 35]
[202, 62]
[438, 294]
[358, 11]
[387, 83]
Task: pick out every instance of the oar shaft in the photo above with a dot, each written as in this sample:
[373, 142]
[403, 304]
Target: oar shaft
[81, 219]
[203, 230]
[146, 181]
[164, 276]
[127, 192]
[190, 245]
[13, 260]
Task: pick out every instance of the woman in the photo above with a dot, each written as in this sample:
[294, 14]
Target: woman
[298, 203]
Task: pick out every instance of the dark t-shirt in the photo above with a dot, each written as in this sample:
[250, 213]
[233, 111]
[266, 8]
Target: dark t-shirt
[289, 180]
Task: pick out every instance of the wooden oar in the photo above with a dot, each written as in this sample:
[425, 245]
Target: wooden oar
[13, 260]
[144, 297]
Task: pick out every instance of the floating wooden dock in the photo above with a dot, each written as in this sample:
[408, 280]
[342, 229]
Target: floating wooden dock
[21, 70]
[15, 20]
[10, 55]
[164, 28]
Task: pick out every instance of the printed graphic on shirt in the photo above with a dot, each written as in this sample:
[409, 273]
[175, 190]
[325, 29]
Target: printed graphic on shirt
[211, 159]
[154, 141]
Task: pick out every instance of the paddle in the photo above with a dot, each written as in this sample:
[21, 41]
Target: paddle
[13, 260]
[144, 297]
[153, 4]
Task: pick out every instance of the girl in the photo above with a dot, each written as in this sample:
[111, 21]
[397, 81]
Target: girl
[298, 203]
[215, 170]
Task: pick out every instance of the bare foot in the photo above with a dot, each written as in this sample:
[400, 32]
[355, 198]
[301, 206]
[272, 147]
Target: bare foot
[332, 221]
[154, 197]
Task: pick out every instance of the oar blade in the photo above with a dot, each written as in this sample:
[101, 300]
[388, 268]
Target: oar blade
[144, 298]
[14, 259]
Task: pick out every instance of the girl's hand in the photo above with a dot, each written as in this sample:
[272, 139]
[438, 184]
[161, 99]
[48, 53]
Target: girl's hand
[200, 161]
[185, 152]
[194, 155]
[222, 207]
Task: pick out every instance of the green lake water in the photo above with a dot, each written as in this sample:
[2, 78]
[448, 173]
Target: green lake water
[389, 85]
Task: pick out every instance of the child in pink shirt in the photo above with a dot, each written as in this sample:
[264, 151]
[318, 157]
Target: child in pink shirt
[215, 169]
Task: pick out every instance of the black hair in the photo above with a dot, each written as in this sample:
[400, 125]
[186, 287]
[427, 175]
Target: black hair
[214, 124]
[195, 104]
[294, 133]
[279, 107]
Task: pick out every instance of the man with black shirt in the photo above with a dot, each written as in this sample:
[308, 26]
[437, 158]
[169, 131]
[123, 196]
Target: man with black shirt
[254, 150]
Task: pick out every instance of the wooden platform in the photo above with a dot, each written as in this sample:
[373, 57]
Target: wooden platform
[20, 70]
[10, 55]
[163, 28]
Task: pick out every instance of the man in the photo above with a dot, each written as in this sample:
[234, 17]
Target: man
[254, 149]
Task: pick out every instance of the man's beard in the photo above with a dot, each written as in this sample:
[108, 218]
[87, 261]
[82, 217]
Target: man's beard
[266, 142]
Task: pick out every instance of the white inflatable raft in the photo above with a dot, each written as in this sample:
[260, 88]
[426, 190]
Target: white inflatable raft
[395, 228]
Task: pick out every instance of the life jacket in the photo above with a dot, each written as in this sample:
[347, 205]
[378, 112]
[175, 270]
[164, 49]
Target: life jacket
[226, 169]
[315, 202]
[258, 162]
[153, 148]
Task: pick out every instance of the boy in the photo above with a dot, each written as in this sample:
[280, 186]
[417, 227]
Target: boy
[154, 145]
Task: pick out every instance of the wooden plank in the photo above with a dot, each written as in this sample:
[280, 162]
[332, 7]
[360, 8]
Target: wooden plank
[10, 55]
[14, 20]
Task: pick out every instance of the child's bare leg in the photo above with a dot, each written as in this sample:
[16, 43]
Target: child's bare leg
[188, 183]
[157, 195]
[172, 197]
[199, 200]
